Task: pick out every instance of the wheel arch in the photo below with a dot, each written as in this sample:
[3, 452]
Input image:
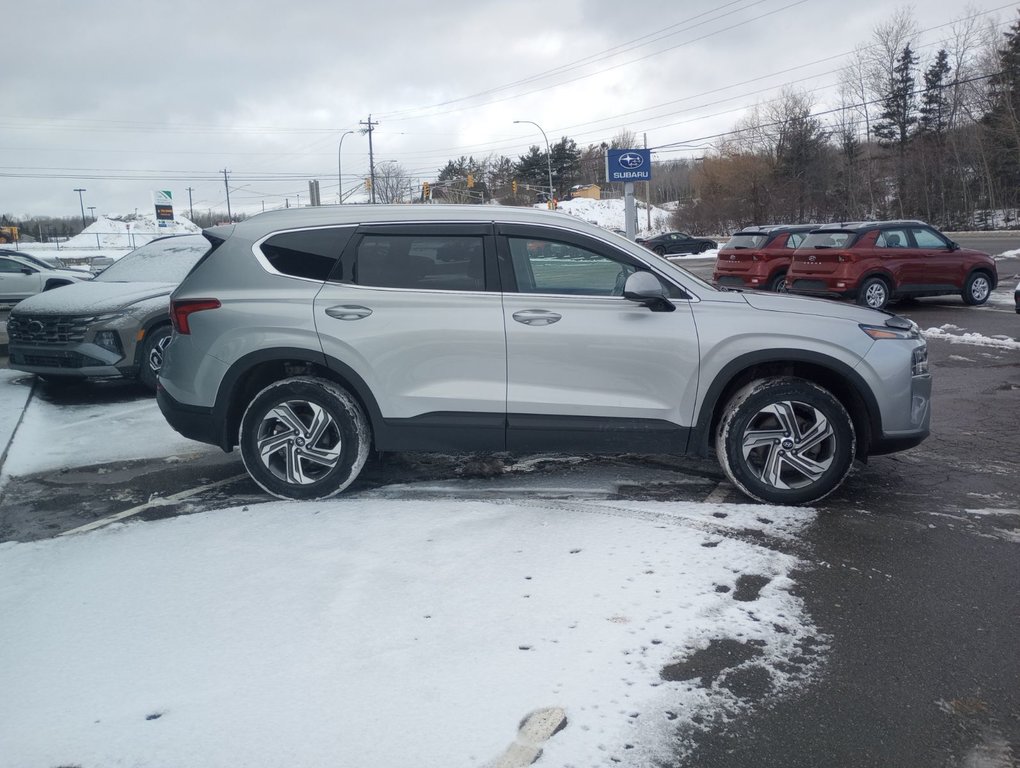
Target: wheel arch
[835, 376]
[253, 372]
[989, 272]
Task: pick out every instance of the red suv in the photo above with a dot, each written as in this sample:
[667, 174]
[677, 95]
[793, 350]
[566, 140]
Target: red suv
[878, 261]
[758, 257]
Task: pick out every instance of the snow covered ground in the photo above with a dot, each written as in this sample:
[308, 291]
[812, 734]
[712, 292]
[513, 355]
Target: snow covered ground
[407, 625]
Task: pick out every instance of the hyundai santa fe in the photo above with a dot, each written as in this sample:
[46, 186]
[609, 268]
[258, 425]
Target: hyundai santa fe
[310, 337]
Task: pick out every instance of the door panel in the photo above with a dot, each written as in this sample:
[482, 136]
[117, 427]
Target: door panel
[584, 357]
[421, 348]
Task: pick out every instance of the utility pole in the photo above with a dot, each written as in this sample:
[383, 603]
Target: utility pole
[81, 202]
[369, 125]
[191, 208]
[648, 194]
[230, 216]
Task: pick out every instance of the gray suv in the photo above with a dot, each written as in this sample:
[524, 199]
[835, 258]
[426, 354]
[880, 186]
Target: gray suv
[115, 325]
[311, 336]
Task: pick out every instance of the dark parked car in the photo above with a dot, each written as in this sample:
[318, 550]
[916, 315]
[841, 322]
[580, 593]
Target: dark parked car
[670, 243]
[115, 325]
[879, 261]
[758, 257]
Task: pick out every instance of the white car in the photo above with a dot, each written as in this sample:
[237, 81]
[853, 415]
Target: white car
[21, 278]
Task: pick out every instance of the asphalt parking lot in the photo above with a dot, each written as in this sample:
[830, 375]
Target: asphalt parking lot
[911, 570]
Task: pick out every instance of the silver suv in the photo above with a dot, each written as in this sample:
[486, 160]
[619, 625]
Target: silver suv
[311, 336]
[115, 325]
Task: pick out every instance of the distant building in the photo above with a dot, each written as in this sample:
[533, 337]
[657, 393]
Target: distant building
[591, 191]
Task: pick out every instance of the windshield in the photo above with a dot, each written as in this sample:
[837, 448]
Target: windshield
[746, 241]
[162, 261]
[827, 239]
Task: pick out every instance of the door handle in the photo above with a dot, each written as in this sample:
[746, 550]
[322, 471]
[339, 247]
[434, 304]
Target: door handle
[348, 312]
[536, 317]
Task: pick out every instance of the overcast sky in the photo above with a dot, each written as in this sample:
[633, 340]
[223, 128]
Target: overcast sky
[122, 98]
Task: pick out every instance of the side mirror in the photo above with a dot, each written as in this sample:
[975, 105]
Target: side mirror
[953, 246]
[646, 290]
[27, 271]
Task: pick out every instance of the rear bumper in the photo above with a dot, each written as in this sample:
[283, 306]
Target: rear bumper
[821, 288]
[192, 421]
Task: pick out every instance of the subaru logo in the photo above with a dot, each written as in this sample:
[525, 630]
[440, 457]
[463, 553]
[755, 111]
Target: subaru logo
[631, 160]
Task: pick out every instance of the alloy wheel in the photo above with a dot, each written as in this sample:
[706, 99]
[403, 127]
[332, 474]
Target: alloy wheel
[788, 444]
[298, 442]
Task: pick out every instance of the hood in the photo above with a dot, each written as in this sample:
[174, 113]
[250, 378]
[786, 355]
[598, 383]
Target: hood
[806, 305]
[91, 297]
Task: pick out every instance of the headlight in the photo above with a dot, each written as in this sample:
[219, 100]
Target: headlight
[894, 328]
[108, 340]
[919, 361]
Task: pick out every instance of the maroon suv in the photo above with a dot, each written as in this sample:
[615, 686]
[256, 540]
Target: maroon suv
[878, 261]
[758, 257]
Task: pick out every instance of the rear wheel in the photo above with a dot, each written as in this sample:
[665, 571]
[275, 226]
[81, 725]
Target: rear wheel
[977, 289]
[784, 440]
[304, 438]
[874, 293]
[659, 250]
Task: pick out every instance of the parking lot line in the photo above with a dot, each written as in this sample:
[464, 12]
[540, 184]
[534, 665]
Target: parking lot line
[158, 501]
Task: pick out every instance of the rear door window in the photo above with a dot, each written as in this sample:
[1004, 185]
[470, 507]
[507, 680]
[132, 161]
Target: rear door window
[421, 262]
[892, 238]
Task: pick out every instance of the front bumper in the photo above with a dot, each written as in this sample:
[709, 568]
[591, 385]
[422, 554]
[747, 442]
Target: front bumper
[73, 346]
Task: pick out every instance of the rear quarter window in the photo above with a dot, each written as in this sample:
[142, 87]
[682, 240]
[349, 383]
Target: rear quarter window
[311, 253]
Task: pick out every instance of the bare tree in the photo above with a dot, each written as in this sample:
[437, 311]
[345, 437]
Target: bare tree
[392, 183]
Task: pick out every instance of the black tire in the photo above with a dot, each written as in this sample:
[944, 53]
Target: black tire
[707, 247]
[659, 250]
[304, 438]
[784, 440]
[977, 289]
[152, 355]
[778, 283]
[874, 293]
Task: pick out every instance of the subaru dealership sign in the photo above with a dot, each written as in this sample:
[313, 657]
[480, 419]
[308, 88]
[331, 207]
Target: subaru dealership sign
[629, 165]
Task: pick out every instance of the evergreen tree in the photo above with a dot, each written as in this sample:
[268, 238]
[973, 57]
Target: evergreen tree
[899, 105]
[934, 112]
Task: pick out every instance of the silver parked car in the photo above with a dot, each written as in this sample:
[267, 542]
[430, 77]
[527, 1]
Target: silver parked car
[115, 325]
[22, 276]
[311, 336]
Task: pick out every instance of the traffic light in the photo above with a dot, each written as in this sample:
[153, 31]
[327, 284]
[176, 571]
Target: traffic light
[471, 180]
[513, 186]
[425, 191]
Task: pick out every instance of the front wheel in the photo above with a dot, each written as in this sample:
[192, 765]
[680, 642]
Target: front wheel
[784, 440]
[977, 289]
[304, 438]
[156, 342]
[778, 283]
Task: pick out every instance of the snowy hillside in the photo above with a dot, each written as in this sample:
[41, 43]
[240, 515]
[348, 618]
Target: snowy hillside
[609, 214]
[130, 231]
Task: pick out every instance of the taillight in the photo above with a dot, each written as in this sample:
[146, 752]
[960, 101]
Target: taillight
[181, 309]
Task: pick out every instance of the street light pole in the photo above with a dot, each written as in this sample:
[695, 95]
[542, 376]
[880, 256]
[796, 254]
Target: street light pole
[81, 201]
[548, 153]
[92, 212]
[339, 173]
